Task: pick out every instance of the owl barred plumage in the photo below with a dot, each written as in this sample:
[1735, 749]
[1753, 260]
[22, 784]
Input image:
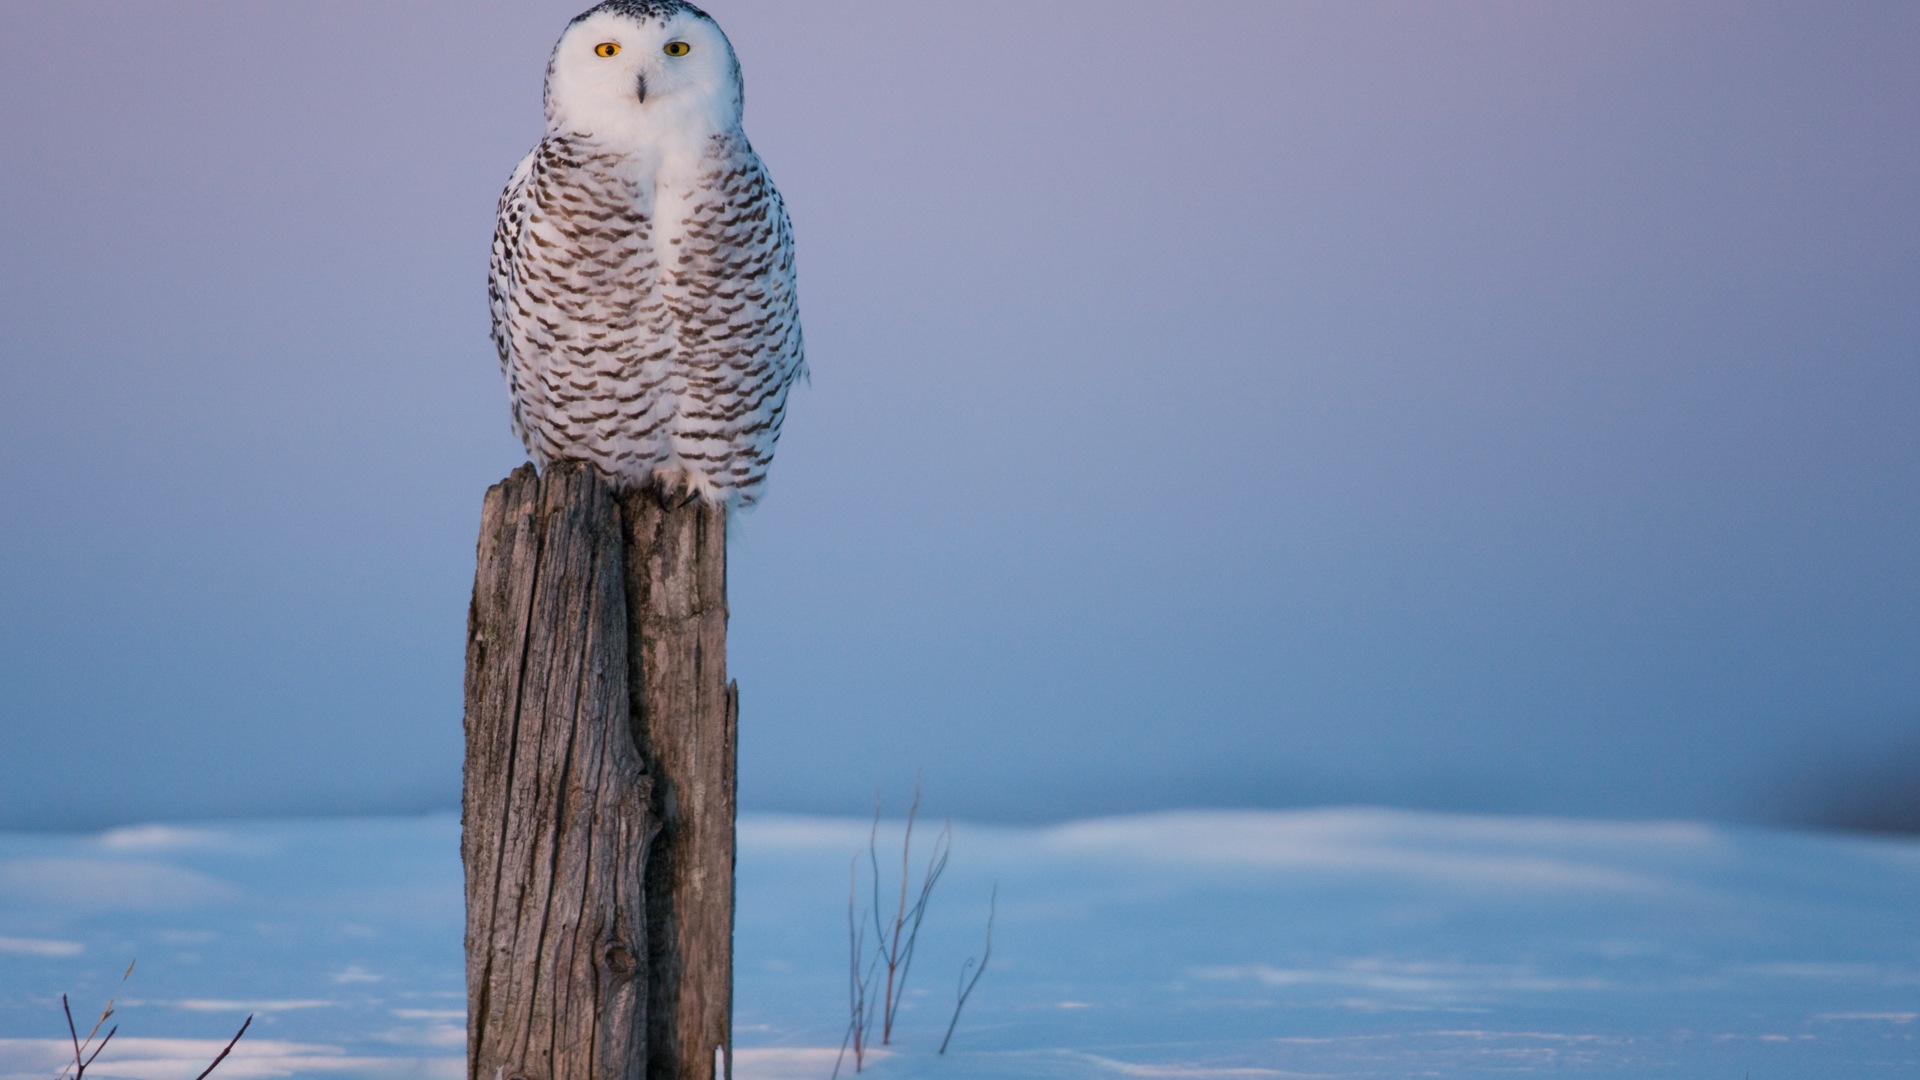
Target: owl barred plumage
[642, 286]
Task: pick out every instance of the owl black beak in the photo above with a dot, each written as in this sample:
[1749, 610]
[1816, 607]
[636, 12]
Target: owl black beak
[642, 89]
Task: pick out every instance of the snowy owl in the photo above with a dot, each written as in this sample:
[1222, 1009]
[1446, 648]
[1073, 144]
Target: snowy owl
[642, 285]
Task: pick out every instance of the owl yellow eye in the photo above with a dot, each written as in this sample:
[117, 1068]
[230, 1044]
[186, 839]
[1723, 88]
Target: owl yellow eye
[678, 48]
[607, 48]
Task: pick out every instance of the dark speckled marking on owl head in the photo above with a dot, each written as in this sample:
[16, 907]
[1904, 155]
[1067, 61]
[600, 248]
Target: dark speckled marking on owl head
[646, 10]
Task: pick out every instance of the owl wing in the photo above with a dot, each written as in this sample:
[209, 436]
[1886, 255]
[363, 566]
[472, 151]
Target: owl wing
[572, 269]
[734, 286]
[503, 274]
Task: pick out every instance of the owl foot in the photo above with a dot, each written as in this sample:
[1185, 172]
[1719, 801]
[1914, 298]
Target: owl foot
[687, 483]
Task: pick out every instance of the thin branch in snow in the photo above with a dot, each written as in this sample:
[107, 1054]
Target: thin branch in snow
[966, 984]
[896, 940]
[859, 983]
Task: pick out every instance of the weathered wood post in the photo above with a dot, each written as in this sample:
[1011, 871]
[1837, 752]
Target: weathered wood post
[597, 815]
[685, 713]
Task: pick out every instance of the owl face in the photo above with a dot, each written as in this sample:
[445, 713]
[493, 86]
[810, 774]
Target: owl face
[643, 67]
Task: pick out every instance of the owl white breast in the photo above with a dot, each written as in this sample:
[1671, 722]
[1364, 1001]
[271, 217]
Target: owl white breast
[642, 284]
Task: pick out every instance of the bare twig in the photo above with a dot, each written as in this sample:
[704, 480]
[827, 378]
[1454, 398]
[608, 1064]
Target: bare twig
[853, 975]
[899, 916]
[936, 866]
[966, 984]
[873, 863]
[859, 984]
[244, 1024]
[79, 1067]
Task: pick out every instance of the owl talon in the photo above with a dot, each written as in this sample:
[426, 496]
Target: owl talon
[671, 481]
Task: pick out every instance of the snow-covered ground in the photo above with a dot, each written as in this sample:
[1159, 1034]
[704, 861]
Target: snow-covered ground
[1339, 943]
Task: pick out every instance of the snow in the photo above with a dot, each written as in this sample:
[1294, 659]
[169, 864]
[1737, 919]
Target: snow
[1333, 943]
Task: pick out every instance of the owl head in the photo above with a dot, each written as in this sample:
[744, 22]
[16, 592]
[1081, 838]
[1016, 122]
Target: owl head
[643, 66]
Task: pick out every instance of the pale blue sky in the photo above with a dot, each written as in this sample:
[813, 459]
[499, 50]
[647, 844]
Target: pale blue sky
[1499, 406]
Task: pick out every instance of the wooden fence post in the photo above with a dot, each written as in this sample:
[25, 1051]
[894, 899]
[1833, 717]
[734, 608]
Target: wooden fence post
[597, 814]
